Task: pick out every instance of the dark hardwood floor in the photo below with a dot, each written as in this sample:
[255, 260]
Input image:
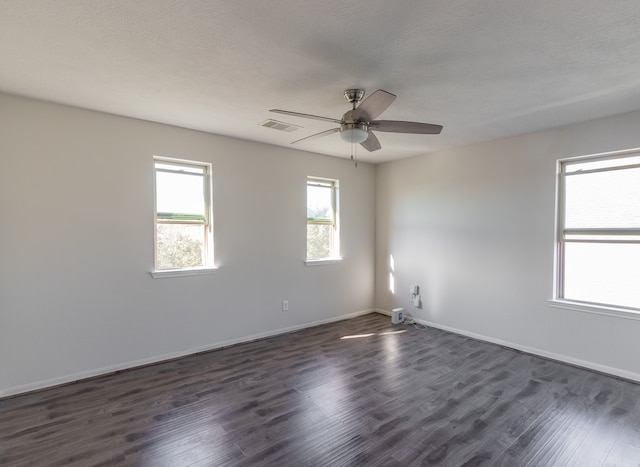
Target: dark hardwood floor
[395, 396]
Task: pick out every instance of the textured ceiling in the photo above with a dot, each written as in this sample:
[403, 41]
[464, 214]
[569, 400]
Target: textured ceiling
[483, 69]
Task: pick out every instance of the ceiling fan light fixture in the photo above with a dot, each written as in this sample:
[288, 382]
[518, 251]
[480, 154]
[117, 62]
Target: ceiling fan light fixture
[355, 133]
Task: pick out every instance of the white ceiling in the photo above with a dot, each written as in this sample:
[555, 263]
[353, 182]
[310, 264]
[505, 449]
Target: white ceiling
[483, 69]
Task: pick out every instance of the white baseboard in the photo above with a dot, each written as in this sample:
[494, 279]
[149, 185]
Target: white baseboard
[15, 390]
[531, 350]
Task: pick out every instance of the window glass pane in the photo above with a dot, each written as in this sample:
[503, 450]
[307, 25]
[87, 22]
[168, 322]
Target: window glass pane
[590, 164]
[180, 246]
[319, 237]
[620, 238]
[603, 199]
[603, 273]
[319, 202]
[180, 193]
[177, 167]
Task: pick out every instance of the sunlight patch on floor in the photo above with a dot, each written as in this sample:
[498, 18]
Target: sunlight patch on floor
[386, 333]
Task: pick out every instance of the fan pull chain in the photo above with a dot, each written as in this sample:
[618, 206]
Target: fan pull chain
[354, 145]
[353, 158]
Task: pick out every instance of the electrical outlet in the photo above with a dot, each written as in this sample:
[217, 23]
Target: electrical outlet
[285, 305]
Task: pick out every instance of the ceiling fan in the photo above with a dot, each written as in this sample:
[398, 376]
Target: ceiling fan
[356, 125]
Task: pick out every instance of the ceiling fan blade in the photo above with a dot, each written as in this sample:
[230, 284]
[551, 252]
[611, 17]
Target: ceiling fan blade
[373, 105]
[396, 126]
[371, 143]
[317, 135]
[298, 114]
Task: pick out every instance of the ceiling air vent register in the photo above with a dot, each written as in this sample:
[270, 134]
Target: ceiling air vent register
[281, 126]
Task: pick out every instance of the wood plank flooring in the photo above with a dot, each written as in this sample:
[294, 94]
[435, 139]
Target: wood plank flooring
[394, 396]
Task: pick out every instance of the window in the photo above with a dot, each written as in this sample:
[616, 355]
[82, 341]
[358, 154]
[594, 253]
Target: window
[183, 228]
[598, 238]
[322, 219]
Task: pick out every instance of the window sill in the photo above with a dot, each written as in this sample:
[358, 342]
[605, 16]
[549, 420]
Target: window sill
[164, 273]
[597, 309]
[322, 262]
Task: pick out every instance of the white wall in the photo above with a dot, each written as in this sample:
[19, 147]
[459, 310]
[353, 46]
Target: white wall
[474, 227]
[76, 244]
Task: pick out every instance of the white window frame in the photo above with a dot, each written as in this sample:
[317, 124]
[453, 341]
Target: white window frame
[208, 258]
[589, 235]
[334, 222]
